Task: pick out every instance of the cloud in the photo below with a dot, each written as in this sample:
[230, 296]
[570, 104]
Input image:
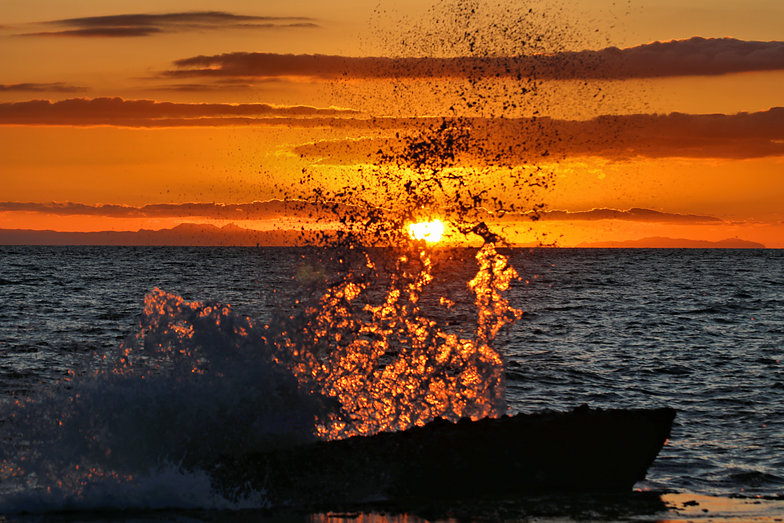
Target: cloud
[259, 210]
[272, 209]
[55, 87]
[130, 25]
[696, 56]
[634, 214]
[509, 141]
[221, 84]
[202, 87]
[522, 141]
[149, 113]
[100, 32]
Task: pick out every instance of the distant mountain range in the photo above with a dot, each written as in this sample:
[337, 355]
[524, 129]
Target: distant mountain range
[190, 234]
[659, 242]
[186, 234]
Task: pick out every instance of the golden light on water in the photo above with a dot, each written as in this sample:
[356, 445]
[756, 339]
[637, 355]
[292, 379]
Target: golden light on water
[430, 232]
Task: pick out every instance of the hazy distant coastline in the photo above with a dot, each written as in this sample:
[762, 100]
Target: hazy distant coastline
[186, 234]
[205, 235]
[660, 242]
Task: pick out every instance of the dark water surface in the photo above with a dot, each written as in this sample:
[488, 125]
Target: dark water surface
[698, 330]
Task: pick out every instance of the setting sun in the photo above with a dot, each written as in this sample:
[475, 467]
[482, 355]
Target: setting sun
[431, 231]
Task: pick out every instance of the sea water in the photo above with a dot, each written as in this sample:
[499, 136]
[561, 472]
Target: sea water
[698, 330]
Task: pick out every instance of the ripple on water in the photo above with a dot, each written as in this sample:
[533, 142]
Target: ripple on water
[620, 328]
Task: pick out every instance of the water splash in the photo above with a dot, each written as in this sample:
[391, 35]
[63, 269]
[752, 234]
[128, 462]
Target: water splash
[194, 384]
[388, 364]
[363, 350]
[199, 382]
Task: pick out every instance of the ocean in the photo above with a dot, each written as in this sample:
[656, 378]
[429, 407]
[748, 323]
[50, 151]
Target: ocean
[701, 331]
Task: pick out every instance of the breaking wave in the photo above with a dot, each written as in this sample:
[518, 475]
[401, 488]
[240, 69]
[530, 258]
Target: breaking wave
[199, 382]
[361, 351]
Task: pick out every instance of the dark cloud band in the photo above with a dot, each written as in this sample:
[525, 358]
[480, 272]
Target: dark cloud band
[99, 32]
[634, 215]
[509, 141]
[189, 19]
[521, 141]
[696, 56]
[149, 113]
[55, 87]
[135, 25]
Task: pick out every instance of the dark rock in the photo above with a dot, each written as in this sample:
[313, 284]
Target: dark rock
[586, 450]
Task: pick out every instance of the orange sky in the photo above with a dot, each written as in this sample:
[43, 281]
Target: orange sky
[273, 115]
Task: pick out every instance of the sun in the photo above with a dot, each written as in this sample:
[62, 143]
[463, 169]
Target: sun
[431, 231]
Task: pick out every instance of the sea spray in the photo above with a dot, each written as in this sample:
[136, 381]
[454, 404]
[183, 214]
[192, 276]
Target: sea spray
[199, 382]
[196, 382]
[388, 363]
[163, 488]
[353, 351]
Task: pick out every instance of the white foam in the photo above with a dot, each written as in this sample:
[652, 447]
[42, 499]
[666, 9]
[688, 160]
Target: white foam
[167, 488]
[195, 384]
